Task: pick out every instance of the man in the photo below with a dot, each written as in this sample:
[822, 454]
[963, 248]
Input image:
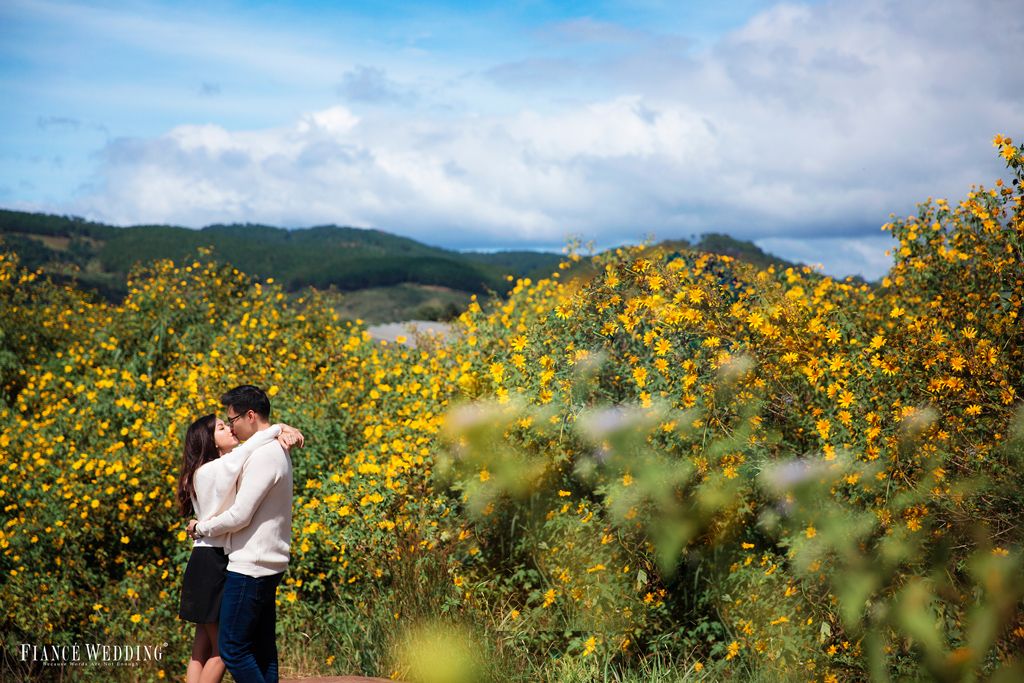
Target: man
[260, 524]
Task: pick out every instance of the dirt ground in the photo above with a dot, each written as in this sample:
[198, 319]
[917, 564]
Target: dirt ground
[339, 679]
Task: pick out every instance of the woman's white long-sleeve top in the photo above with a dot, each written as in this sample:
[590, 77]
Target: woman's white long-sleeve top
[215, 482]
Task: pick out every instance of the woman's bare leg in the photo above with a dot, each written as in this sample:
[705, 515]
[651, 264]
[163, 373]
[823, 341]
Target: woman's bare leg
[214, 668]
[201, 649]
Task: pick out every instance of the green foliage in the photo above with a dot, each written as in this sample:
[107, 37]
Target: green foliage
[675, 466]
[520, 263]
[32, 253]
[392, 270]
[832, 458]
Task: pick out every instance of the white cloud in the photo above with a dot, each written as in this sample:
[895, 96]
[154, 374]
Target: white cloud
[809, 122]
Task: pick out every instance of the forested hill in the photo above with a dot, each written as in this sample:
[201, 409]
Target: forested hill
[325, 256]
[99, 256]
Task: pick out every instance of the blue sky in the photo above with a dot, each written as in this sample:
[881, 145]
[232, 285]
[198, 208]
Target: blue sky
[798, 125]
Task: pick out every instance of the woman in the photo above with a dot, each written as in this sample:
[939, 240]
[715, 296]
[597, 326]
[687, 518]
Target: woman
[212, 462]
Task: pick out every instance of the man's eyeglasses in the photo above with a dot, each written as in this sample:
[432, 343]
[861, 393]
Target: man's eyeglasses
[231, 420]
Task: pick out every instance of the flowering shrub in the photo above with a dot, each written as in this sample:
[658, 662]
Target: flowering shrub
[98, 398]
[602, 466]
[904, 393]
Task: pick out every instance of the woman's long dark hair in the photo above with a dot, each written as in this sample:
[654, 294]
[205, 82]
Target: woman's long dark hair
[200, 448]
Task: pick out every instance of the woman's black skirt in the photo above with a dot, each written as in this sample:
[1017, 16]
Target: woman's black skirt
[203, 585]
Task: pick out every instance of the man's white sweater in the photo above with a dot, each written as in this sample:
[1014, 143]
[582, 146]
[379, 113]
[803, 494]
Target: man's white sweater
[260, 520]
[215, 483]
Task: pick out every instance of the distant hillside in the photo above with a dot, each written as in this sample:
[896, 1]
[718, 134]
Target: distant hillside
[715, 243]
[341, 259]
[324, 256]
[522, 262]
[55, 226]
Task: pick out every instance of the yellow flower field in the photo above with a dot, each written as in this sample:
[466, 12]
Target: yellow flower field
[669, 456]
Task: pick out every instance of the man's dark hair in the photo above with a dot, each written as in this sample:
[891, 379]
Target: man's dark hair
[246, 398]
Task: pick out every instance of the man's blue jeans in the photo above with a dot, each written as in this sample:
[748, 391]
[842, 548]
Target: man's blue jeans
[248, 621]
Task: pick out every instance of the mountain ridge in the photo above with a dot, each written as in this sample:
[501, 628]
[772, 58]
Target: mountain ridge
[341, 258]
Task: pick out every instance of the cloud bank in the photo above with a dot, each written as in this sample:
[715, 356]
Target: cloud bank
[801, 130]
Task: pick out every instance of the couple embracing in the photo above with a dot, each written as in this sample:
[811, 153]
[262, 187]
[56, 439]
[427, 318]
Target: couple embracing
[241, 498]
